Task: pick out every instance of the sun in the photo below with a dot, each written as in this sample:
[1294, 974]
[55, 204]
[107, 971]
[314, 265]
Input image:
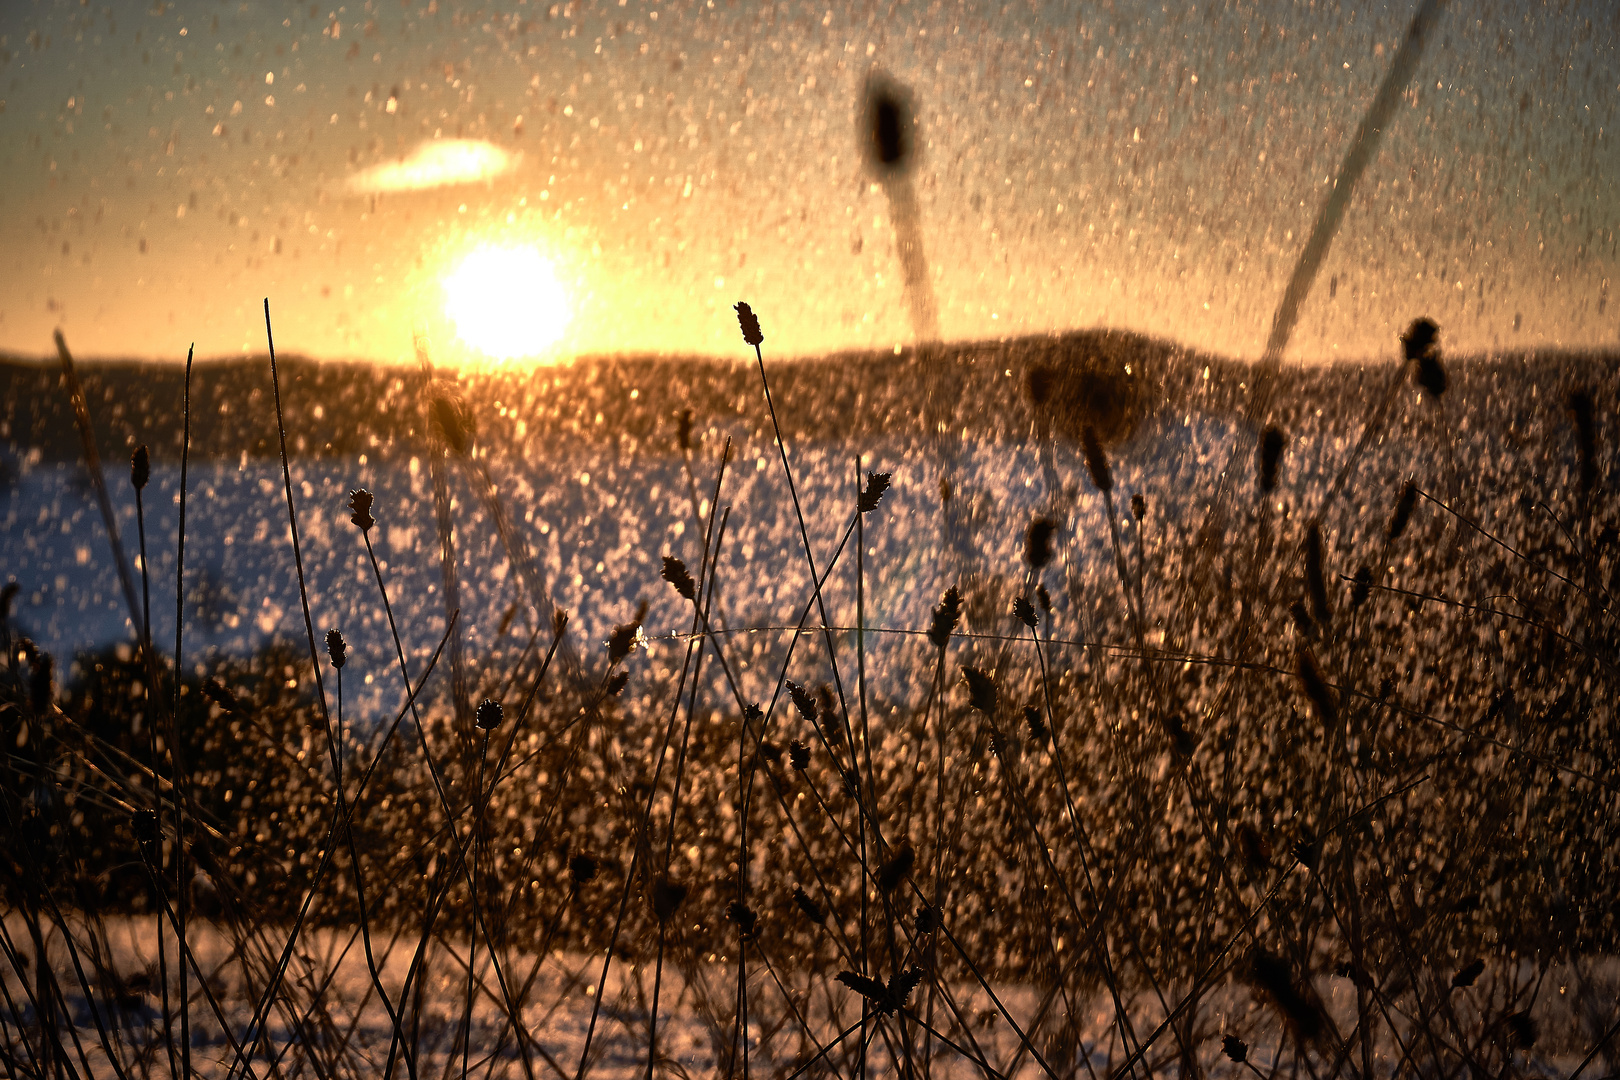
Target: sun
[506, 302]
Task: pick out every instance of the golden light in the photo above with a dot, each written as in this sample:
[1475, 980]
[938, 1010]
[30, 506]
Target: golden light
[506, 302]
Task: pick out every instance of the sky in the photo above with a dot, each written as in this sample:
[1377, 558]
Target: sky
[526, 182]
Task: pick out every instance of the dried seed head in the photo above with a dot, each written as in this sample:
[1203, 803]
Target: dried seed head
[1308, 850]
[7, 595]
[1256, 850]
[1235, 1049]
[581, 869]
[489, 715]
[750, 324]
[1421, 344]
[981, 690]
[40, 693]
[337, 650]
[811, 909]
[1138, 506]
[1096, 459]
[1467, 975]
[617, 682]
[1039, 380]
[946, 489]
[927, 919]
[1182, 741]
[852, 783]
[623, 641]
[1272, 443]
[743, 915]
[667, 896]
[1403, 510]
[1038, 542]
[676, 574]
[218, 692]
[877, 483]
[1045, 599]
[1316, 688]
[901, 984]
[140, 467]
[895, 868]
[753, 713]
[1583, 411]
[360, 506]
[799, 754]
[1362, 587]
[888, 119]
[1024, 611]
[1302, 618]
[1315, 578]
[1276, 978]
[947, 613]
[453, 423]
[1036, 723]
[683, 431]
[869, 988]
[148, 834]
[804, 701]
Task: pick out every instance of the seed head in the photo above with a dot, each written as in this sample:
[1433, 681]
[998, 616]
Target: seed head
[218, 692]
[1235, 1048]
[946, 615]
[140, 467]
[581, 869]
[39, 682]
[852, 783]
[148, 834]
[799, 754]
[622, 641]
[804, 701]
[1362, 587]
[1036, 722]
[1583, 410]
[1467, 975]
[1024, 611]
[1038, 540]
[667, 896]
[489, 714]
[1403, 510]
[877, 483]
[676, 574]
[750, 324]
[896, 867]
[1315, 579]
[617, 682]
[683, 431]
[1421, 343]
[1096, 459]
[1138, 506]
[743, 915]
[452, 422]
[1275, 976]
[336, 648]
[1272, 443]
[360, 507]
[1045, 599]
[927, 919]
[888, 143]
[811, 909]
[1316, 688]
[1039, 381]
[981, 690]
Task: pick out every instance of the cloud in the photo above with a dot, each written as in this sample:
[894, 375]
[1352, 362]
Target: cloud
[440, 163]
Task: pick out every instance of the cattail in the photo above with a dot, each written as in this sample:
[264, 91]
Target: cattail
[804, 701]
[1467, 975]
[981, 690]
[743, 915]
[360, 504]
[40, 696]
[947, 613]
[453, 423]
[676, 574]
[1316, 688]
[811, 909]
[1421, 343]
[622, 641]
[221, 695]
[750, 324]
[148, 835]
[1403, 511]
[1024, 612]
[1096, 459]
[888, 142]
[876, 484]
[667, 896]
[1583, 410]
[1038, 542]
[799, 754]
[1277, 979]
[140, 467]
[1315, 579]
[683, 430]
[1235, 1049]
[1362, 587]
[1036, 723]
[895, 868]
[617, 682]
[1272, 443]
[1039, 380]
[581, 869]
[1138, 506]
[1045, 599]
[336, 648]
[489, 715]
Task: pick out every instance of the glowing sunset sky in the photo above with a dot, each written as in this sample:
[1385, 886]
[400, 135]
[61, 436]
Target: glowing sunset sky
[1146, 165]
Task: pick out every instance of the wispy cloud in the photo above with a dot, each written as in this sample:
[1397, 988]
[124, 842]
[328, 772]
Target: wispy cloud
[439, 163]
